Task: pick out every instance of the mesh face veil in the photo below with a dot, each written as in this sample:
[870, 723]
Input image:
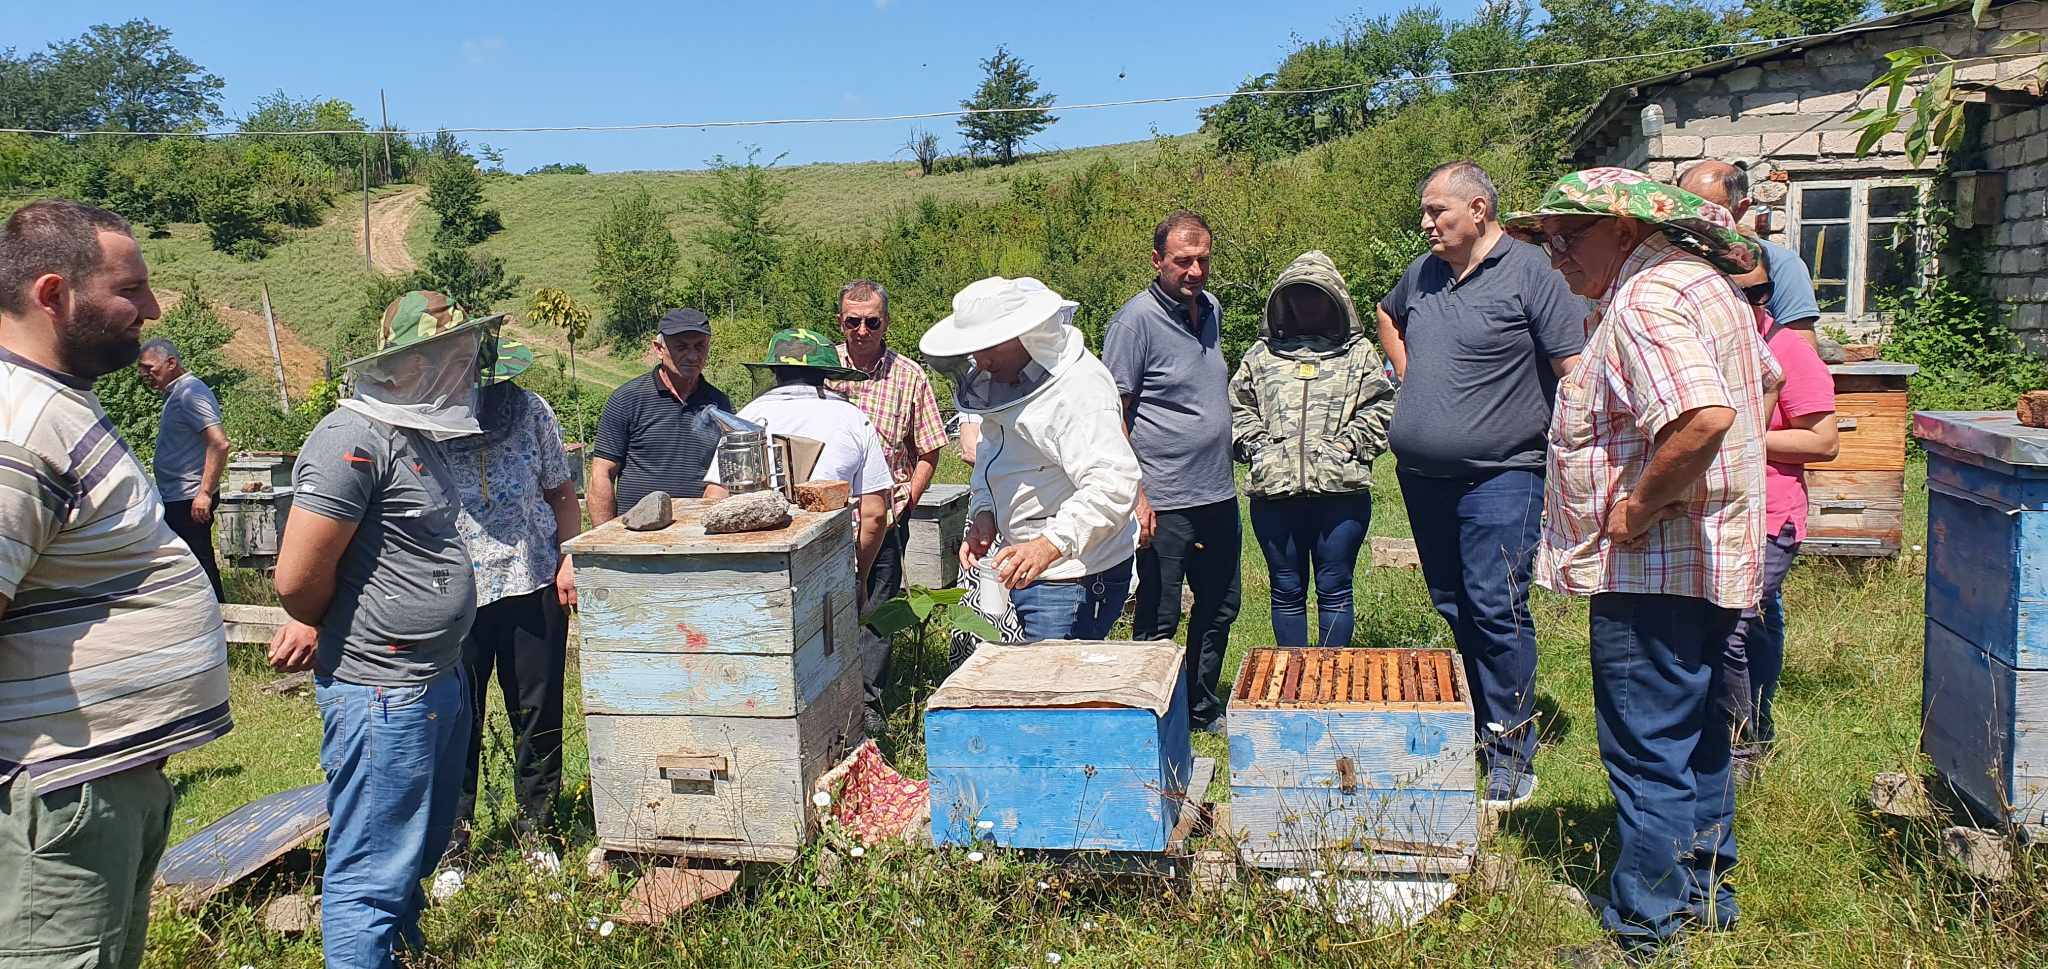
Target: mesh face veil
[429, 386]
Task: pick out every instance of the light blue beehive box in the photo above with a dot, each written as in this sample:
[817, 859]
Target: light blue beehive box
[1984, 687]
[1060, 745]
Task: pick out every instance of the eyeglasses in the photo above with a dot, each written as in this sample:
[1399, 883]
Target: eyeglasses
[1559, 244]
[853, 323]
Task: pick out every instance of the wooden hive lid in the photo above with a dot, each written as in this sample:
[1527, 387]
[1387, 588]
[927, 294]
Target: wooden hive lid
[1350, 679]
[1065, 673]
[685, 536]
[1994, 434]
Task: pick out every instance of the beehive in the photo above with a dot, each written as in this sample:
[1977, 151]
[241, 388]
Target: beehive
[269, 469]
[1353, 749]
[1060, 745]
[1855, 504]
[720, 678]
[248, 525]
[1984, 688]
[931, 556]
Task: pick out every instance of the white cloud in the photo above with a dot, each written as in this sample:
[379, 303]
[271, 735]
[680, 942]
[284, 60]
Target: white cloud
[482, 49]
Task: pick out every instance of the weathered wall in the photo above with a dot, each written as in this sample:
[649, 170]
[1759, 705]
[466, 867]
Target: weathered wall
[2016, 251]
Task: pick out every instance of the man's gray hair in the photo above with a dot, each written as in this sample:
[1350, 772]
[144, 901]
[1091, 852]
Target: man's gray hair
[166, 348]
[864, 289]
[1730, 177]
[1468, 180]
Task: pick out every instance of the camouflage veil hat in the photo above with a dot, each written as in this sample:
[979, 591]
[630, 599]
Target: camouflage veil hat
[423, 313]
[1691, 223]
[810, 350]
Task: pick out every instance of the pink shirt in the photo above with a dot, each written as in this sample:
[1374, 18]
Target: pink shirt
[1809, 389]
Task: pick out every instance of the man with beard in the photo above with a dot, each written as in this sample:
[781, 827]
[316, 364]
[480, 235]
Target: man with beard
[112, 653]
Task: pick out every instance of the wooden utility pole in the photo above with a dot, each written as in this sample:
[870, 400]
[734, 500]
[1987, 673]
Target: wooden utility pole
[385, 111]
[368, 263]
[284, 400]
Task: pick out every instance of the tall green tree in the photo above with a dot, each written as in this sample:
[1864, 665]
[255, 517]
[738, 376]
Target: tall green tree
[125, 76]
[744, 241]
[455, 191]
[636, 264]
[1006, 83]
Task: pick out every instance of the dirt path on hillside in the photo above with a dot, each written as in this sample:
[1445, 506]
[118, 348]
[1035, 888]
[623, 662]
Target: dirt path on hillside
[249, 349]
[390, 220]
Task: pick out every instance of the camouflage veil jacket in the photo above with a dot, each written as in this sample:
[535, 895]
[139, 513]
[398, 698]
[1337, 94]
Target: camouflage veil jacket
[1309, 414]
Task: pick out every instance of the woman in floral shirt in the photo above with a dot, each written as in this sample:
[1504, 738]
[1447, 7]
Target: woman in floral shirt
[518, 507]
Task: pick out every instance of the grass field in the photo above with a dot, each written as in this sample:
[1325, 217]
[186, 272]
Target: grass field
[1822, 882]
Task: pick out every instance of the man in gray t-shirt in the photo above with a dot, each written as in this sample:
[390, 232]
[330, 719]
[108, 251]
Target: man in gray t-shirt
[1165, 350]
[191, 451]
[1479, 330]
[378, 584]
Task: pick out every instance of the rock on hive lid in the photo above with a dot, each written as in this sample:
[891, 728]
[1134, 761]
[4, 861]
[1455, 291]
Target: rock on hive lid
[1065, 673]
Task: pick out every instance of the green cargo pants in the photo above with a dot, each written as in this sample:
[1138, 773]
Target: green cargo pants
[78, 865]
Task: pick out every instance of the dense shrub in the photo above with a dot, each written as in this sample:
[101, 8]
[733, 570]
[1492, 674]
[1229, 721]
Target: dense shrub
[1968, 359]
[636, 264]
[455, 191]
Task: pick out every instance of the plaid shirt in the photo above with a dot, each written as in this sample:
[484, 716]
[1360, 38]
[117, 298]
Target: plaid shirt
[899, 402]
[1672, 335]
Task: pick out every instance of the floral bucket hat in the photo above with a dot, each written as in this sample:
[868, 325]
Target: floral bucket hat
[1690, 222]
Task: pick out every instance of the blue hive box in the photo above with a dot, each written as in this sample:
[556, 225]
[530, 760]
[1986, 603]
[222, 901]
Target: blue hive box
[1352, 750]
[1060, 745]
[1984, 688]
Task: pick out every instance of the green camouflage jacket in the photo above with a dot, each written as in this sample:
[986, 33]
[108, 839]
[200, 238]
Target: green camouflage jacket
[1309, 412]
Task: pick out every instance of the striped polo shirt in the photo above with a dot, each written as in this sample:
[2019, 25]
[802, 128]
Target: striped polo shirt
[112, 652]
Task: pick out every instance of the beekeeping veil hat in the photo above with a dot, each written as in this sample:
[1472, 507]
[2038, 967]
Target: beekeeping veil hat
[429, 364]
[994, 311]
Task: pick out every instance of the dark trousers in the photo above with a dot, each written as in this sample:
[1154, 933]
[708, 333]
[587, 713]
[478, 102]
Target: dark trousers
[199, 538]
[1755, 654]
[885, 581]
[1317, 535]
[526, 638]
[1664, 740]
[1477, 541]
[1201, 545]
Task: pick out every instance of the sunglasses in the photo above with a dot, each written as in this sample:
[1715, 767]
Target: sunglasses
[1559, 244]
[853, 323]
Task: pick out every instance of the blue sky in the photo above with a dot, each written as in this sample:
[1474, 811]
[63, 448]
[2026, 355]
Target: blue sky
[464, 63]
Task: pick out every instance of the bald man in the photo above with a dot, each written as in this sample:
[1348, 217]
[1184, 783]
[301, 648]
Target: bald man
[1788, 282]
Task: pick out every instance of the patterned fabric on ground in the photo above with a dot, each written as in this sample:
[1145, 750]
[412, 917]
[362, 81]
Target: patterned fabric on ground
[871, 800]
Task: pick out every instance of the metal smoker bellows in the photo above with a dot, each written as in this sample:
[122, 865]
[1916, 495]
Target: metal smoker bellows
[1325, 677]
[747, 458]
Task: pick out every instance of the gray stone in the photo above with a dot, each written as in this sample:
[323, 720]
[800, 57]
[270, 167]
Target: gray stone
[2029, 121]
[1663, 171]
[1743, 78]
[757, 511]
[1796, 146]
[1830, 351]
[292, 915]
[1976, 853]
[649, 514]
[1734, 146]
[1900, 796]
[1711, 106]
[2005, 129]
[1842, 55]
[2037, 146]
[1772, 102]
[1827, 103]
[1681, 147]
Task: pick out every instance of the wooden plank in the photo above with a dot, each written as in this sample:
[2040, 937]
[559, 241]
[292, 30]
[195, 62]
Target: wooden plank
[1115, 809]
[1409, 686]
[738, 851]
[1306, 820]
[1987, 576]
[1276, 677]
[1311, 679]
[2003, 484]
[1191, 804]
[1877, 439]
[1985, 728]
[1390, 862]
[763, 797]
[662, 892]
[1100, 737]
[683, 576]
[1387, 749]
[641, 619]
[1425, 678]
[242, 843]
[1443, 678]
[1375, 678]
[1391, 667]
[1290, 690]
[1347, 661]
[252, 625]
[685, 537]
[719, 684]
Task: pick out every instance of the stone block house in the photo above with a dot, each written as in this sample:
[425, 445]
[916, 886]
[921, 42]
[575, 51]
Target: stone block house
[1783, 111]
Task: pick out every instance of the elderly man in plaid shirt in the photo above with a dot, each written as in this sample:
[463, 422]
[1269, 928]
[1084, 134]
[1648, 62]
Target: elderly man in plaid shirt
[900, 404]
[1654, 507]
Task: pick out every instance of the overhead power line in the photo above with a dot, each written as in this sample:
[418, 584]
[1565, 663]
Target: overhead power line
[958, 112]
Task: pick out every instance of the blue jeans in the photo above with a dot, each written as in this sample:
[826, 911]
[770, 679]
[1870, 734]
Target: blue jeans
[395, 759]
[1322, 533]
[1477, 541]
[1755, 654]
[1083, 608]
[1664, 739]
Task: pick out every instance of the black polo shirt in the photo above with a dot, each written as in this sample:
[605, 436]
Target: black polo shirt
[660, 443]
[1477, 395]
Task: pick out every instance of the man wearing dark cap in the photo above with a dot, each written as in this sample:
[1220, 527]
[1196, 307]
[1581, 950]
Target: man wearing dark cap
[657, 433]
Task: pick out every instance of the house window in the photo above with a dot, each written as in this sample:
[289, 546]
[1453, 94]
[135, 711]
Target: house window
[1859, 239]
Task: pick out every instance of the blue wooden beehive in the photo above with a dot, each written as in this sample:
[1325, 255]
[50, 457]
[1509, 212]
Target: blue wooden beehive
[1984, 687]
[1060, 745]
[1354, 750]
